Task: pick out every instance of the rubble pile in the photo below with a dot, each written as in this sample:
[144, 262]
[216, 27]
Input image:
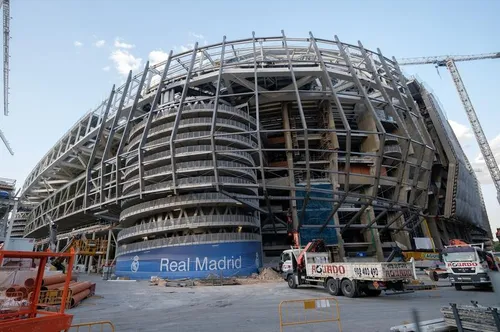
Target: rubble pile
[265, 275]
[269, 274]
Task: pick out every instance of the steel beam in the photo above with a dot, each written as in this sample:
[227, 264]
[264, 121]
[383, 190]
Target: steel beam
[90, 164]
[178, 117]
[112, 133]
[394, 219]
[304, 126]
[214, 116]
[345, 123]
[395, 114]
[379, 125]
[126, 130]
[147, 126]
[257, 132]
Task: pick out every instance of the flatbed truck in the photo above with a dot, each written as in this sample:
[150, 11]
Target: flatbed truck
[314, 265]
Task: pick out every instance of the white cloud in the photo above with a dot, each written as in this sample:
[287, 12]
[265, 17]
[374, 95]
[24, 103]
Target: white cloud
[121, 44]
[157, 56]
[196, 35]
[479, 165]
[184, 48]
[77, 43]
[462, 131]
[107, 68]
[100, 43]
[124, 61]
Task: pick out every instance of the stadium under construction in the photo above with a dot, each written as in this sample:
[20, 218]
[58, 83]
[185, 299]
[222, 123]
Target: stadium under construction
[228, 153]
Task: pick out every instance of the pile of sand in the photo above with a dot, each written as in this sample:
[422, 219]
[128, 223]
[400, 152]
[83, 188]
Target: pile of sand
[269, 274]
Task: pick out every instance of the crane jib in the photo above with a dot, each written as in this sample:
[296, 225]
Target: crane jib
[449, 62]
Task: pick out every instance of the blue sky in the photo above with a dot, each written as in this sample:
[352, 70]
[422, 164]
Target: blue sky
[65, 55]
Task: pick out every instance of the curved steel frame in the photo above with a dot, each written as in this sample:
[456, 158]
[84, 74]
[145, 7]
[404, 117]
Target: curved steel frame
[369, 118]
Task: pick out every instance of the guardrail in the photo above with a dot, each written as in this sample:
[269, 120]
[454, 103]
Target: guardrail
[186, 240]
[163, 225]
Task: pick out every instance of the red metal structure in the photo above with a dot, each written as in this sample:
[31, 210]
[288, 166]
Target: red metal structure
[30, 319]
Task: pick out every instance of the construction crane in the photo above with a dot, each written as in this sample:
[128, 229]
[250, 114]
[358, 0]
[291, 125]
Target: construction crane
[5, 4]
[449, 62]
[6, 55]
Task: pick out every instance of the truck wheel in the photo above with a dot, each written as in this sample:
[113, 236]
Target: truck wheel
[372, 292]
[349, 288]
[291, 281]
[332, 286]
[458, 287]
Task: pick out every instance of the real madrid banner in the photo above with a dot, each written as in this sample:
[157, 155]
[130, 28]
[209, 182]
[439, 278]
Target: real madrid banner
[192, 261]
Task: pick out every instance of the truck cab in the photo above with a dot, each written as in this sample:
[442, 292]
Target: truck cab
[468, 265]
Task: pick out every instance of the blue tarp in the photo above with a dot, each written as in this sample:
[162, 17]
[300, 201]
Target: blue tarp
[315, 214]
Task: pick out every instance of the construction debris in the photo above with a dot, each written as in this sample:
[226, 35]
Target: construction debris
[268, 274]
[265, 275]
[472, 317]
[434, 325]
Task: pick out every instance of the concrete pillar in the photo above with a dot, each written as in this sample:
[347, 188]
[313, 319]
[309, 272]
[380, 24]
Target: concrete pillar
[402, 237]
[446, 236]
[434, 233]
[334, 167]
[372, 141]
[372, 235]
[289, 158]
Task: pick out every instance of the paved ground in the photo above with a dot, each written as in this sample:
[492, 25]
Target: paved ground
[135, 306]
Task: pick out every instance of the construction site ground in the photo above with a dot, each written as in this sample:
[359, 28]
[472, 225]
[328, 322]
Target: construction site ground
[137, 306]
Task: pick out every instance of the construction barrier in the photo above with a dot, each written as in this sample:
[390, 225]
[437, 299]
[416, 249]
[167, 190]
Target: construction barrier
[52, 298]
[102, 326]
[309, 311]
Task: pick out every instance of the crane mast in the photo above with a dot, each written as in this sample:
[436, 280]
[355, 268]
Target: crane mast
[484, 146]
[5, 4]
[449, 62]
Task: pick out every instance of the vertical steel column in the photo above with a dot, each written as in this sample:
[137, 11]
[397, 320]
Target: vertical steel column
[426, 136]
[404, 104]
[112, 133]
[427, 140]
[214, 117]
[147, 125]
[127, 129]
[289, 158]
[304, 126]
[94, 150]
[347, 128]
[388, 99]
[380, 127]
[10, 222]
[179, 116]
[259, 140]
